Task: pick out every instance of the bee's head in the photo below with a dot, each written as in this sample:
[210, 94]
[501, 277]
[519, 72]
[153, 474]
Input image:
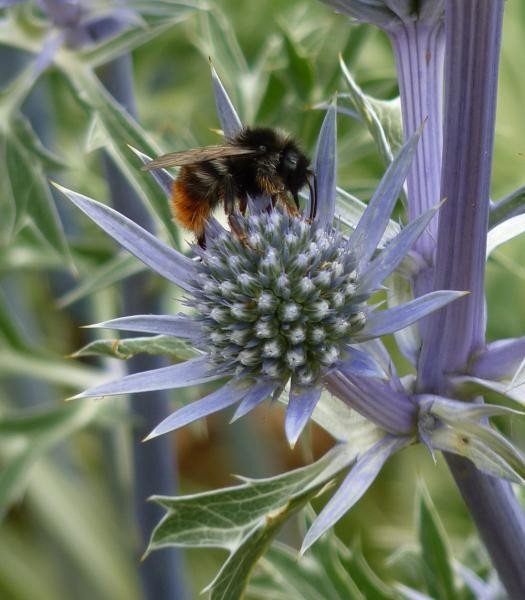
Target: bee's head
[293, 167]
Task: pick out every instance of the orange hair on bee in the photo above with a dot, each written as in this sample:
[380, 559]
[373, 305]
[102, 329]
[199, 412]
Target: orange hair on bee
[188, 210]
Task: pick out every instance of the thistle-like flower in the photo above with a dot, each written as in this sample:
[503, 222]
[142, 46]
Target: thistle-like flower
[284, 301]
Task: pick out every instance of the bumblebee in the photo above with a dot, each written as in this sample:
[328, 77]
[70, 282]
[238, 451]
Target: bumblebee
[257, 161]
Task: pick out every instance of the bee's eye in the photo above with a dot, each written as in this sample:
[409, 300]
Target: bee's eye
[290, 160]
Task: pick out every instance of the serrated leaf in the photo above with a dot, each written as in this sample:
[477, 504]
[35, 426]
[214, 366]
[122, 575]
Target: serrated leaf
[159, 345]
[243, 519]
[435, 550]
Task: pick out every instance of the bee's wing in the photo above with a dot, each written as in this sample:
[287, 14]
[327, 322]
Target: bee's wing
[196, 155]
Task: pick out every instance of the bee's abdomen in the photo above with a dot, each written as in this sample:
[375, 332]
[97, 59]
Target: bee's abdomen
[195, 193]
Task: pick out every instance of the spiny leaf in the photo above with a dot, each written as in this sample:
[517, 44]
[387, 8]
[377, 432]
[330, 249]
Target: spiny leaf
[243, 519]
[162, 345]
[435, 550]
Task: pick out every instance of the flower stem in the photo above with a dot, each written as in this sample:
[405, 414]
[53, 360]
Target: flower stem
[419, 52]
[473, 37]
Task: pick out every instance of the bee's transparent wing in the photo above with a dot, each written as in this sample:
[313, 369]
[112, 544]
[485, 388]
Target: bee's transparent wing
[197, 155]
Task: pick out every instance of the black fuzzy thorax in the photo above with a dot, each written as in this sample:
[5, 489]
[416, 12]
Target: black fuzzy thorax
[269, 162]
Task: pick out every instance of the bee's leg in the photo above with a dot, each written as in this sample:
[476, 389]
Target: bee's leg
[228, 198]
[243, 205]
[201, 240]
[229, 208]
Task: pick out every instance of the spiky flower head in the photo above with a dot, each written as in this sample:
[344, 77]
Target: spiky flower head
[281, 301]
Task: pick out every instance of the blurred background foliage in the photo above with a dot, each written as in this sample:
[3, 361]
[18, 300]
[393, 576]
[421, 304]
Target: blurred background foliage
[67, 527]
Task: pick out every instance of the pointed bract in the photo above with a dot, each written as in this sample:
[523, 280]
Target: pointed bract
[256, 395]
[192, 372]
[228, 117]
[389, 258]
[146, 247]
[161, 176]
[360, 478]
[383, 322]
[176, 325]
[364, 240]
[325, 168]
[301, 403]
[228, 394]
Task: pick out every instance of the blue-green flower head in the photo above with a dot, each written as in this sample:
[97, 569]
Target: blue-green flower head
[282, 301]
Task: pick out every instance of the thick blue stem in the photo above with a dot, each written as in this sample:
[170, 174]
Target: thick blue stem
[473, 37]
[154, 461]
[419, 50]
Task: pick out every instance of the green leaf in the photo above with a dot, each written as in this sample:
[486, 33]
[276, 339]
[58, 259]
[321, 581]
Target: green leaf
[8, 205]
[504, 232]
[98, 278]
[32, 435]
[382, 118]
[158, 18]
[467, 386]
[282, 575]
[300, 70]
[31, 195]
[485, 447]
[26, 135]
[122, 130]
[343, 423]
[217, 40]
[507, 207]
[243, 519]
[10, 332]
[435, 550]
[48, 368]
[162, 345]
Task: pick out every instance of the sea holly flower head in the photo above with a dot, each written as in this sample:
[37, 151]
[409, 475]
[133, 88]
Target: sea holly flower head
[283, 301]
[280, 302]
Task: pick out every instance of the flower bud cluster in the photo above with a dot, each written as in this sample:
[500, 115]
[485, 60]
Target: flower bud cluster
[279, 300]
